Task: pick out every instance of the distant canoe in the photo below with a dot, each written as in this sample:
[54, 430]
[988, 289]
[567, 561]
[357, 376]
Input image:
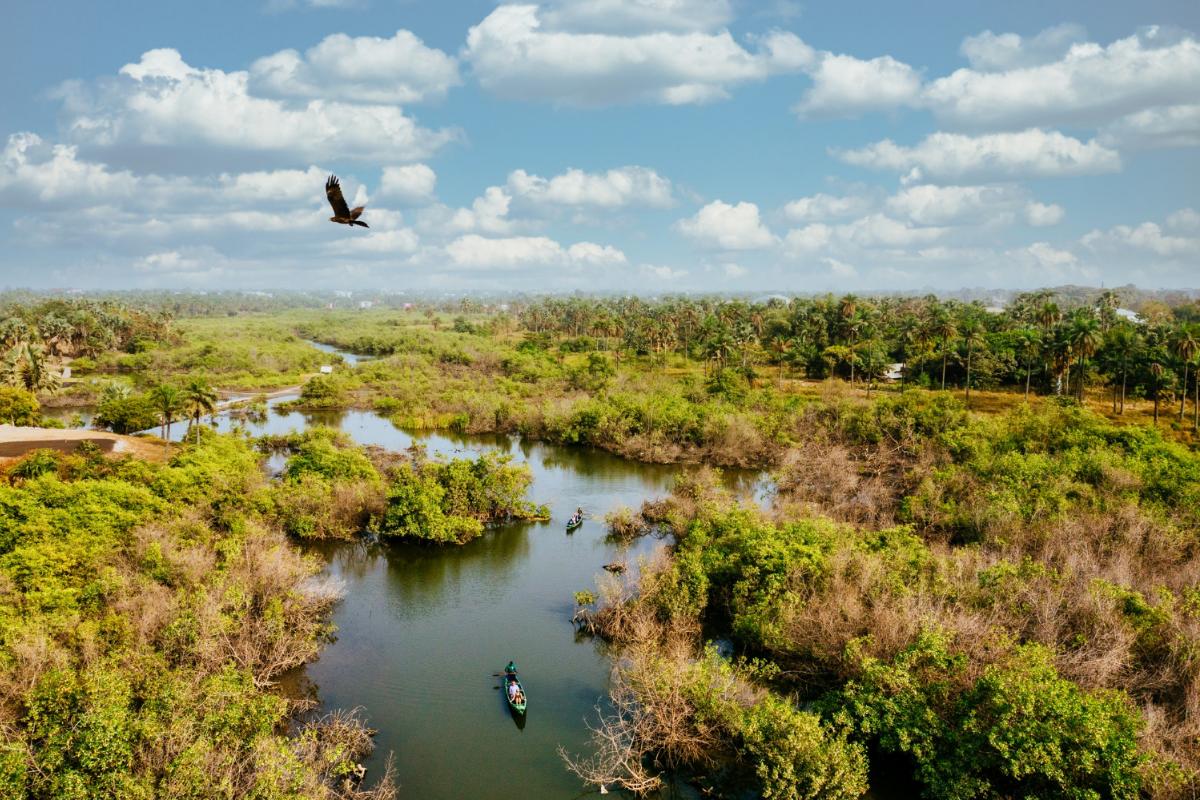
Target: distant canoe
[573, 523]
[517, 705]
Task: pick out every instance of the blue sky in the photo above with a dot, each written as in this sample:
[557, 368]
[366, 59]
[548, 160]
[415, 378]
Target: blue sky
[629, 145]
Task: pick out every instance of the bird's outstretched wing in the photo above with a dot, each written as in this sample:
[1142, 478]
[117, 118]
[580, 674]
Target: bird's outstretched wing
[333, 190]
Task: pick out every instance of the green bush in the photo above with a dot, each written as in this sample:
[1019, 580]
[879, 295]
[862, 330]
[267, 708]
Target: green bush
[1019, 730]
[18, 407]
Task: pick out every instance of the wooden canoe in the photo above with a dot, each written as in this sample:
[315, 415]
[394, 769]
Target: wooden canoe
[517, 705]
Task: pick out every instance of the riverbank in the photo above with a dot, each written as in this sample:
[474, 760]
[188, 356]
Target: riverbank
[16, 441]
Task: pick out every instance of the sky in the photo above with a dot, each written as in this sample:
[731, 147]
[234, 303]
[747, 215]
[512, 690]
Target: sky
[642, 146]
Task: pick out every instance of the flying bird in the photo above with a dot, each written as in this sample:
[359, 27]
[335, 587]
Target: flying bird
[341, 212]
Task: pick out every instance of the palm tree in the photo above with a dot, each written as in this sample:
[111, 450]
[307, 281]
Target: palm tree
[169, 402]
[780, 345]
[973, 336]
[1085, 338]
[1029, 346]
[1123, 345]
[26, 367]
[199, 398]
[1156, 369]
[945, 329]
[1184, 345]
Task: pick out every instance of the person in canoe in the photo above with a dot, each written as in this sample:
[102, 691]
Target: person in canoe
[576, 519]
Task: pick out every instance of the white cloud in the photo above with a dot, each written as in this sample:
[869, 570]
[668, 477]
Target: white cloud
[595, 254]
[1090, 83]
[1145, 237]
[619, 16]
[34, 171]
[990, 52]
[364, 69]
[928, 204]
[734, 270]
[1185, 219]
[1042, 214]
[162, 102]
[877, 230]
[661, 273]
[411, 182]
[488, 213]
[280, 184]
[823, 207]
[727, 227]
[476, 251]
[399, 240]
[840, 268]
[809, 239]
[624, 186]
[1033, 152]
[845, 85]
[1166, 126]
[513, 55]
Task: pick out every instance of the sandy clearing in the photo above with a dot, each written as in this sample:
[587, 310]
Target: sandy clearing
[16, 441]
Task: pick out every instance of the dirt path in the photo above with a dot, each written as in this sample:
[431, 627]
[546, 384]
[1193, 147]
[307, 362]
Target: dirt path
[16, 441]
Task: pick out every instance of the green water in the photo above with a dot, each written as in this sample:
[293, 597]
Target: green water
[422, 629]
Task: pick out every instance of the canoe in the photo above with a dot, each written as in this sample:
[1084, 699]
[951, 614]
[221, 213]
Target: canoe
[574, 522]
[517, 705]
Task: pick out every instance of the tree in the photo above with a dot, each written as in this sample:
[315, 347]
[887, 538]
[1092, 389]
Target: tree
[1157, 371]
[26, 367]
[199, 398]
[1122, 346]
[168, 400]
[18, 406]
[1185, 345]
[1029, 347]
[1085, 338]
[945, 329]
[973, 336]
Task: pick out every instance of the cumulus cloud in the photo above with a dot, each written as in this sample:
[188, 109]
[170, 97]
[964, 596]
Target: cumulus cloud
[163, 102]
[845, 85]
[822, 206]
[1167, 126]
[662, 273]
[1185, 219]
[410, 182]
[991, 52]
[512, 54]
[1042, 214]
[1089, 84]
[399, 241]
[474, 251]
[928, 204]
[734, 270]
[1148, 236]
[623, 16]
[726, 227]
[48, 174]
[401, 69]
[1033, 152]
[624, 186]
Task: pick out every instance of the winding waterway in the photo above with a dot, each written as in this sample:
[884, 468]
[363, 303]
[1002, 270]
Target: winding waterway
[422, 629]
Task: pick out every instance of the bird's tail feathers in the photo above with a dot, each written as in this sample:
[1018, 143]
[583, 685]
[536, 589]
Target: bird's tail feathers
[359, 222]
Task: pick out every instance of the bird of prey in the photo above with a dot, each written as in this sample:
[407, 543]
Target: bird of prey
[341, 212]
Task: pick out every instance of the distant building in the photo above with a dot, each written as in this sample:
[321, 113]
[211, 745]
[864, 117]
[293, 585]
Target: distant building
[326, 369]
[364, 304]
[894, 372]
[1132, 316]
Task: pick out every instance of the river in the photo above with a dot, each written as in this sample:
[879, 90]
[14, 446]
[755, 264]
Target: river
[422, 629]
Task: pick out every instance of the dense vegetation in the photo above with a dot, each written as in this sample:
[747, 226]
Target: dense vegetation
[1008, 606]
[145, 613]
[991, 589]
